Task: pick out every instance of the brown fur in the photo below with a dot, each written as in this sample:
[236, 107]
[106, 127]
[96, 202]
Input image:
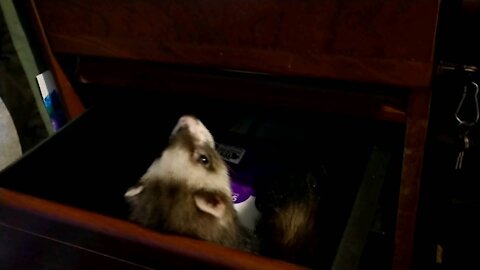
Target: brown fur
[171, 208]
[288, 226]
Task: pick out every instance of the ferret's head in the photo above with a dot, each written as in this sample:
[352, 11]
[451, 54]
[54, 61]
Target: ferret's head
[190, 162]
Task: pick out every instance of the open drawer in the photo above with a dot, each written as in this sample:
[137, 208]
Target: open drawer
[77, 216]
[364, 58]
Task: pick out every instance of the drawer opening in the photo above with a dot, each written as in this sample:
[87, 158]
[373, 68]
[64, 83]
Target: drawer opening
[92, 161]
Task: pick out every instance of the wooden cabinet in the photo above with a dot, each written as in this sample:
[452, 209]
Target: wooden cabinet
[371, 59]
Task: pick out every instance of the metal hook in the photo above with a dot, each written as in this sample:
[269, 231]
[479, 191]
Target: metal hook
[459, 107]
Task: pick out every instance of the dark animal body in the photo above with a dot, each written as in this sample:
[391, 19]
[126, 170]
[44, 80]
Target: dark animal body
[288, 226]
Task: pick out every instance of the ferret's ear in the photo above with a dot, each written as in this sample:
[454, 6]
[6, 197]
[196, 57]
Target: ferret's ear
[133, 191]
[210, 203]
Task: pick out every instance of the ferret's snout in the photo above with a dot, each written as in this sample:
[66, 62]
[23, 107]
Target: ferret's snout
[188, 120]
[196, 129]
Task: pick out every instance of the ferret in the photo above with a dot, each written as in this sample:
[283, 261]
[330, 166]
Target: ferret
[289, 202]
[187, 191]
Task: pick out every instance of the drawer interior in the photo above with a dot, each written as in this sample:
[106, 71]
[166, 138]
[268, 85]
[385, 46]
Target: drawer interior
[92, 161]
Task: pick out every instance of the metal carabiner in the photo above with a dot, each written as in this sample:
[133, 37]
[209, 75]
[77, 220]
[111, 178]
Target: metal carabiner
[460, 105]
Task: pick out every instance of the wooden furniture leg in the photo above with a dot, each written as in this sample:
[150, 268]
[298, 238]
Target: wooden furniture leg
[415, 137]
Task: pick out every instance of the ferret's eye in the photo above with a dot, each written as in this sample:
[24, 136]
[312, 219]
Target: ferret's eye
[203, 159]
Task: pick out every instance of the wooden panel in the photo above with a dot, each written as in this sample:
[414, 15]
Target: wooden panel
[415, 136]
[367, 40]
[359, 100]
[122, 239]
[23, 250]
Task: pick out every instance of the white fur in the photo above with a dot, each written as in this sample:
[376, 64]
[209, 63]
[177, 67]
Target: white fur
[196, 128]
[176, 165]
[134, 191]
